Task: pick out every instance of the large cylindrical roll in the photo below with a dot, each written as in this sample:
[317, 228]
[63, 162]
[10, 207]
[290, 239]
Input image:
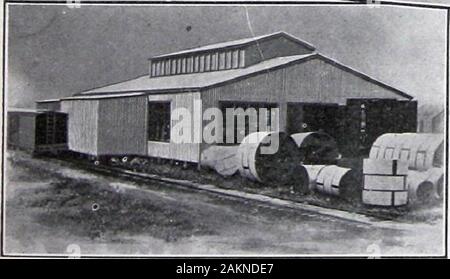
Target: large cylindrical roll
[313, 172]
[271, 158]
[222, 159]
[421, 151]
[436, 176]
[420, 188]
[316, 148]
[425, 186]
[337, 181]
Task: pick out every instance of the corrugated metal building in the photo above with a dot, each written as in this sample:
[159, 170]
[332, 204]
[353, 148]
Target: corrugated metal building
[275, 70]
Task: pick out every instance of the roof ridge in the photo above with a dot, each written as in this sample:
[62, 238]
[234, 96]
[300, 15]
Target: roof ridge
[233, 43]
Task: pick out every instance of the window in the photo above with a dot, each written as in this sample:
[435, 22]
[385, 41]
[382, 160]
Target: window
[155, 68]
[168, 64]
[228, 60]
[201, 63]
[244, 122]
[207, 62]
[183, 65]
[159, 121]
[241, 58]
[194, 64]
[221, 61]
[235, 63]
[214, 62]
[152, 69]
[173, 68]
[163, 68]
[189, 65]
[179, 66]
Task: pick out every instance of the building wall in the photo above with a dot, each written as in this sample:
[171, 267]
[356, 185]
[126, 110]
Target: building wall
[431, 118]
[275, 47]
[82, 125]
[438, 123]
[172, 150]
[313, 81]
[122, 126]
[319, 81]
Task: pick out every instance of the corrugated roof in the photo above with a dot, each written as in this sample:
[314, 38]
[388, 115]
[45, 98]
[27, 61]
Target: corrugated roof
[237, 43]
[194, 81]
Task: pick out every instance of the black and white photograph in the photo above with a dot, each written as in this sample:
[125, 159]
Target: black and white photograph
[247, 129]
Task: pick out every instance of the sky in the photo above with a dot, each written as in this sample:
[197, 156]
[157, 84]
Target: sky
[55, 51]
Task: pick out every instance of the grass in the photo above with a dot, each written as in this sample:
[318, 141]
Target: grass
[97, 211]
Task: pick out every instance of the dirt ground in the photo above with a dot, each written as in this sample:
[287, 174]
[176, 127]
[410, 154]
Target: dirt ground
[53, 208]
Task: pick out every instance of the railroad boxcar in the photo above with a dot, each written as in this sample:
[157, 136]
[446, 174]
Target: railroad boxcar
[37, 131]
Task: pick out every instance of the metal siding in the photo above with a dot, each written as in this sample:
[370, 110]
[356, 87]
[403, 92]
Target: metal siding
[313, 81]
[318, 81]
[177, 151]
[82, 125]
[122, 126]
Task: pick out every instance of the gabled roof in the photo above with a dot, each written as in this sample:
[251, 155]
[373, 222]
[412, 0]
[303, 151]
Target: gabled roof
[187, 82]
[238, 43]
[199, 81]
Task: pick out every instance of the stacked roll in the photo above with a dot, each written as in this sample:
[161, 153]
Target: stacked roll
[385, 182]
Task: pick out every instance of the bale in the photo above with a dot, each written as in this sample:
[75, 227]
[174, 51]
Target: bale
[385, 198]
[341, 182]
[384, 167]
[272, 158]
[316, 148]
[222, 159]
